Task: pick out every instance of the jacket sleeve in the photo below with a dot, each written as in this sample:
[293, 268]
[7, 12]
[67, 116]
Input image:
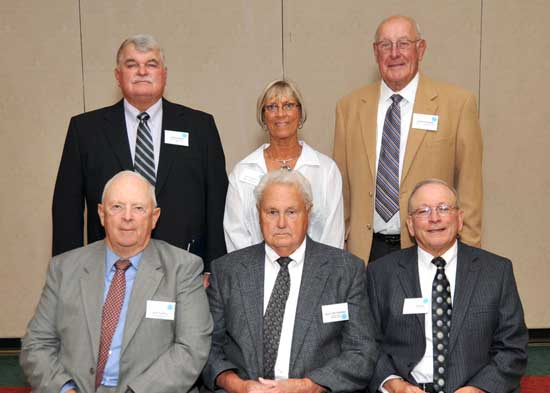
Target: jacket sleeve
[216, 184]
[68, 197]
[41, 344]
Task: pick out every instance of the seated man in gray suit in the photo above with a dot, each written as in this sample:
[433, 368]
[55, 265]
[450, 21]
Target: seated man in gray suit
[450, 315]
[124, 314]
[290, 314]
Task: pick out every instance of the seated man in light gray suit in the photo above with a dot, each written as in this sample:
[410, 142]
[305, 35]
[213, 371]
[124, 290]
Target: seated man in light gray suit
[450, 314]
[124, 314]
[290, 314]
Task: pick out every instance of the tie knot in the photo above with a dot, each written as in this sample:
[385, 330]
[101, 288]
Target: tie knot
[122, 264]
[439, 262]
[143, 116]
[284, 261]
[396, 98]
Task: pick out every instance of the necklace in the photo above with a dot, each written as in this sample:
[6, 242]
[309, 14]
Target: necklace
[285, 164]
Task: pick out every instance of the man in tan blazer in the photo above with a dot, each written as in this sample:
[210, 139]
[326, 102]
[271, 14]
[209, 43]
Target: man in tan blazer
[438, 137]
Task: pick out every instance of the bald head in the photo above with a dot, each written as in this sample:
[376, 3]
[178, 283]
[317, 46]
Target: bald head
[414, 27]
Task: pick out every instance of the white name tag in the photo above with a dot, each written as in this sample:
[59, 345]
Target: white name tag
[179, 138]
[335, 312]
[250, 177]
[416, 305]
[160, 310]
[425, 122]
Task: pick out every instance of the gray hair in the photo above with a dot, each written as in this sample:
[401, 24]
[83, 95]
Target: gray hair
[150, 187]
[407, 18]
[432, 181]
[290, 178]
[142, 43]
[280, 88]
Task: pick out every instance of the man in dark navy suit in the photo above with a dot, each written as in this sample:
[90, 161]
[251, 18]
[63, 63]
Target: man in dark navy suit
[176, 148]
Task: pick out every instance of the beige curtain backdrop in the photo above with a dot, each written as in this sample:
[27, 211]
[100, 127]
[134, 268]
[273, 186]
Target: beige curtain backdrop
[58, 61]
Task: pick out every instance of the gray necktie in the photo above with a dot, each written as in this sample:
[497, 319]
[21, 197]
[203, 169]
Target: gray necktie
[387, 178]
[273, 317]
[144, 159]
[442, 310]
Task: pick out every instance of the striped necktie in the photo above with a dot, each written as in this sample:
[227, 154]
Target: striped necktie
[387, 178]
[144, 160]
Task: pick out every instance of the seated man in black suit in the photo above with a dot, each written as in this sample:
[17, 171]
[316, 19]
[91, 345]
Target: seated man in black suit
[290, 314]
[176, 148]
[449, 314]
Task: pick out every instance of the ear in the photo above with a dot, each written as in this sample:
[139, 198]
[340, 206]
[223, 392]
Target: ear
[156, 215]
[410, 225]
[101, 213]
[117, 75]
[421, 49]
[460, 220]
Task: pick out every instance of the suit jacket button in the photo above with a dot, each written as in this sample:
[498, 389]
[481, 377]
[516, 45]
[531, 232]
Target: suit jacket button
[370, 194]
[368, 227]
[92, 370]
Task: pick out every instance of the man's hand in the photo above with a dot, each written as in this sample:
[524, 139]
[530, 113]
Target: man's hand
[397, 385]
[293, 385]
[232, 383]
[206, 280]
[469, 389]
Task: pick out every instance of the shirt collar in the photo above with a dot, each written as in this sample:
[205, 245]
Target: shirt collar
[111, 258]
[449, 256]
[408, 92]
[133, 112]
[307, 157]
[297, 256]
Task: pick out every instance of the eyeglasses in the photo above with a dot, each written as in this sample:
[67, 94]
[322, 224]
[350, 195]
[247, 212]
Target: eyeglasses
[118, 208]
[442, 210]
[287, 107]
[402, 45]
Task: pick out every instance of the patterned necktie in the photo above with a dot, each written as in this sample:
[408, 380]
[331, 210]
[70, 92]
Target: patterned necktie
[387, 178]
[144, 158]
[111, 313]
[442, 310]
[273, 317]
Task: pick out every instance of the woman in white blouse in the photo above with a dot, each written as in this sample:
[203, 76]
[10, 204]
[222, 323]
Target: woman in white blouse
[281, 112]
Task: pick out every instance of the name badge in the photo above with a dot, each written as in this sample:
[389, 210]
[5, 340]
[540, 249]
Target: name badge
[416, 305]
[425, 122]
[160, 310]
[335, 312]
[179, 138]
[251, 177]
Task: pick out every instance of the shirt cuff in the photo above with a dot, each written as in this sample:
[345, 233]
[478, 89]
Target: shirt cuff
[381, 388]
[67, 386]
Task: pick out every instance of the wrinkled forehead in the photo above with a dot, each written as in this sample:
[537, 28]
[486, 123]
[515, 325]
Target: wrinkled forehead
[433, 195]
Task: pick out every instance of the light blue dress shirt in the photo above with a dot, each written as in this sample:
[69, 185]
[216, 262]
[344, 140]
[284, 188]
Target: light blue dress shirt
[110, 375]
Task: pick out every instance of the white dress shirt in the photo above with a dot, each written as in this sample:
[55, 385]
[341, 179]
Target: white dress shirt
[393, 226]
[423, 371]
[154, 123]
[295, 269]
[326, 221]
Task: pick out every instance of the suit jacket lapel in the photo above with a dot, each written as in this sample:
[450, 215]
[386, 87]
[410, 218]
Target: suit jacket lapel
[425, 102]
[251, 278]
[368, 116]
[91, 292]
[409, 278]
[315, 273]
[147, 280]
[172, 119]
[467, 275]
[115, 131]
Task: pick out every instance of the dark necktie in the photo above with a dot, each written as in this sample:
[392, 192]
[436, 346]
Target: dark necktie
[273, 317]
[442, 310]
[111, 313]
[387, 178]
[144, 158]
